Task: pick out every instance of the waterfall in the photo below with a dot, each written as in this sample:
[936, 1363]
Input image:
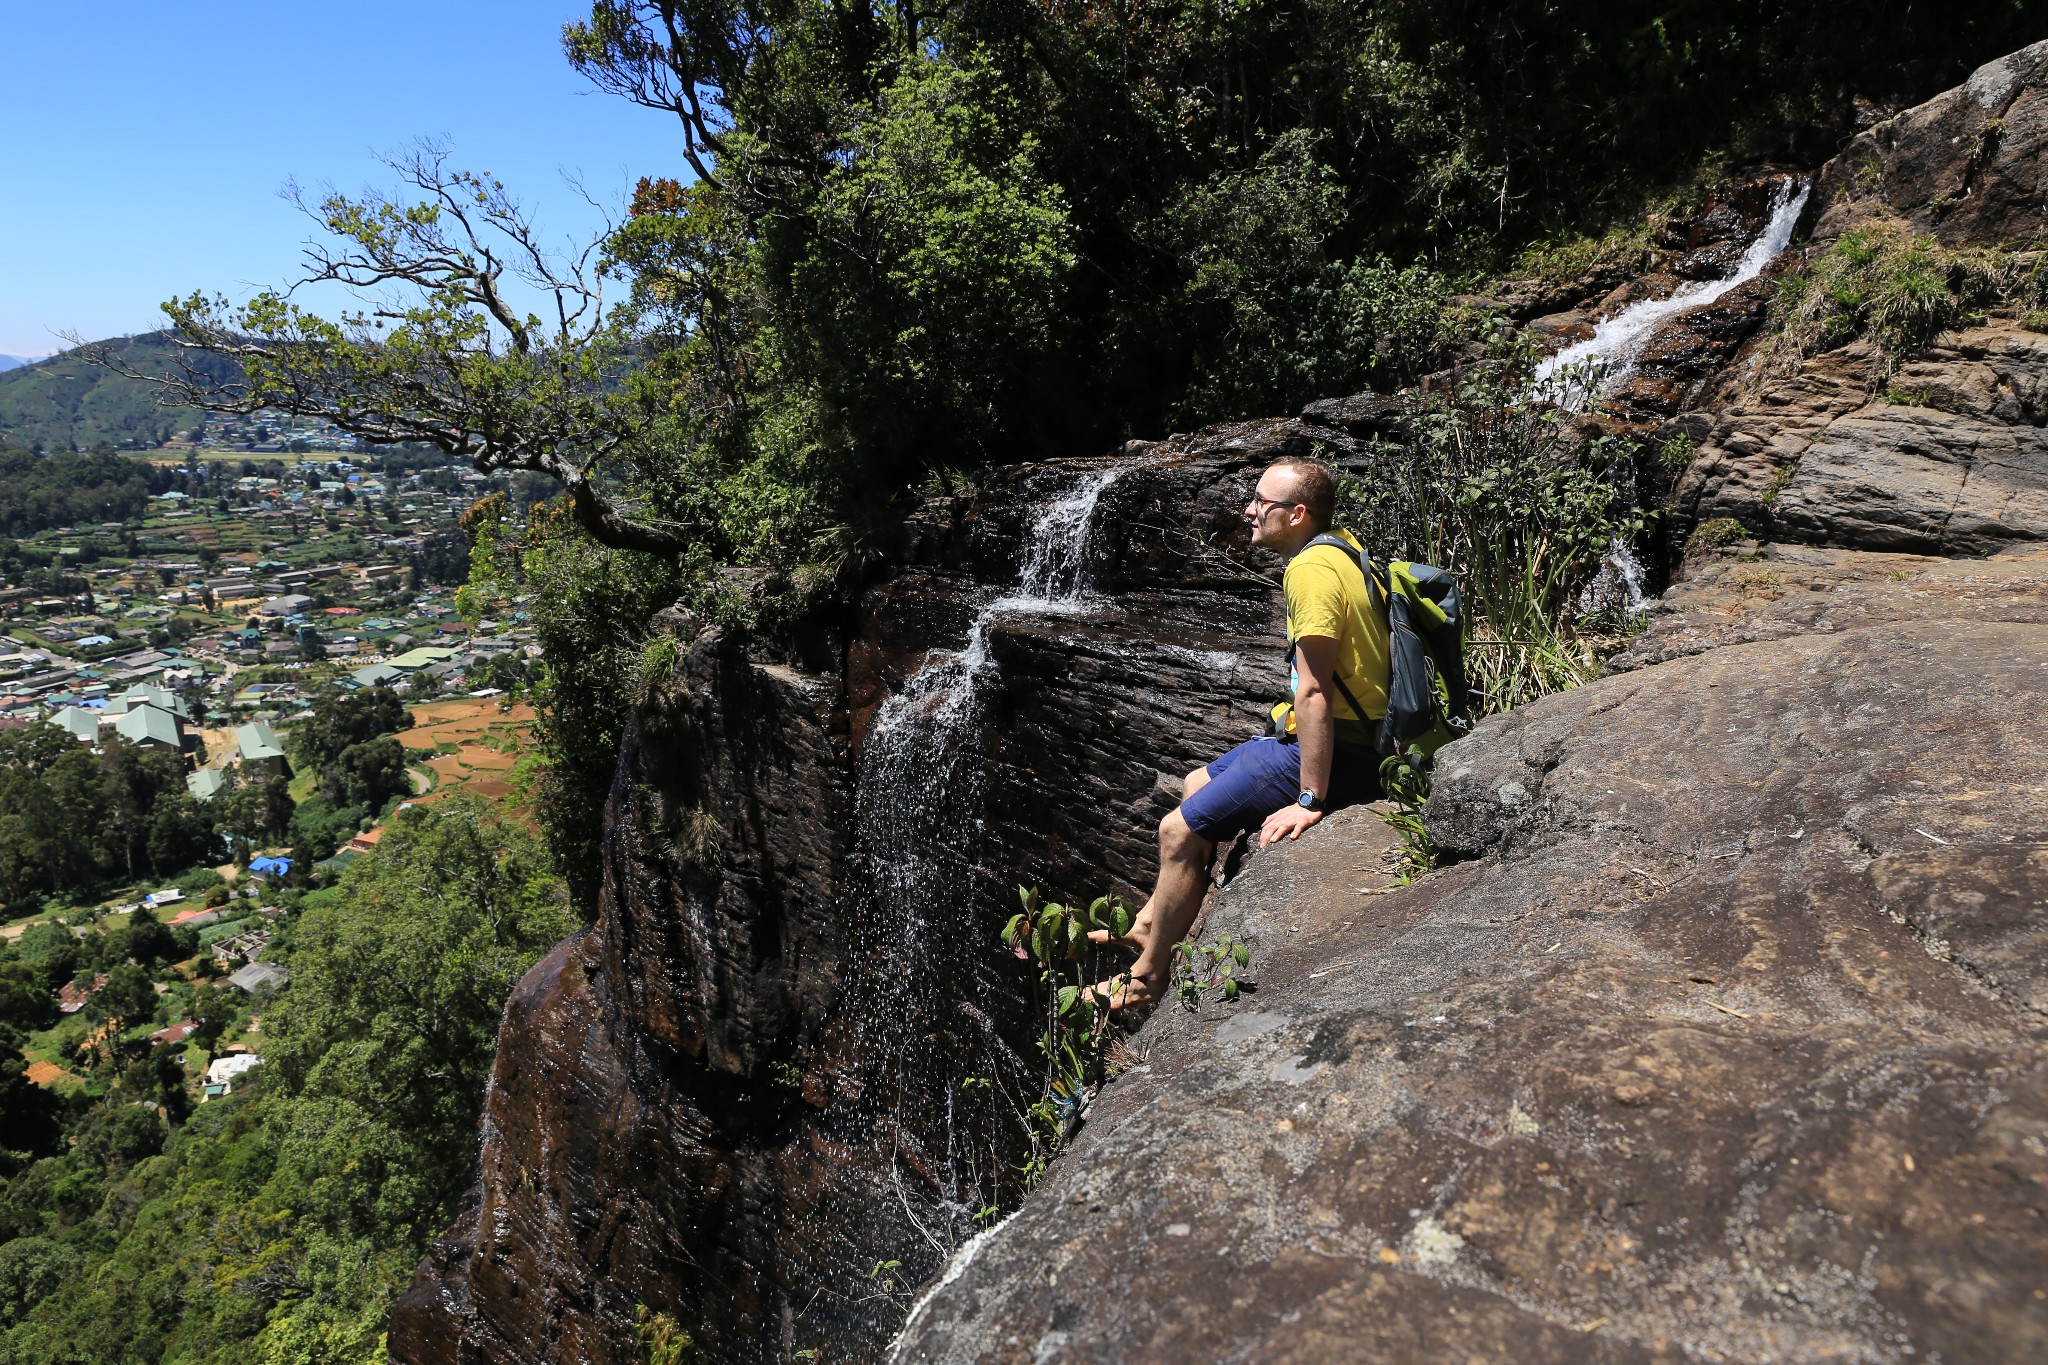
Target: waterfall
[919, 821]
[1614, 343]
[1617, 588]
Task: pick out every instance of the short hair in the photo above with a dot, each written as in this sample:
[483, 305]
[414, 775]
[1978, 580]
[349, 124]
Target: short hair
[1313, 487]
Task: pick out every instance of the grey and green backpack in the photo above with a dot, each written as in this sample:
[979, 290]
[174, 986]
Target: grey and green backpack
[1428, 699]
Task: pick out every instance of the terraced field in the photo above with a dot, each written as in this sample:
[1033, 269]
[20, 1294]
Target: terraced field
[486, 743]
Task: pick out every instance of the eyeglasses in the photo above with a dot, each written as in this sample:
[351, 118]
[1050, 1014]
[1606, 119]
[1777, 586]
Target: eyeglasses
[1264, 503]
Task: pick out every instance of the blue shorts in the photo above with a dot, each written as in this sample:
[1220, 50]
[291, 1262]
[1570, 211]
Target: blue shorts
[1260, 776]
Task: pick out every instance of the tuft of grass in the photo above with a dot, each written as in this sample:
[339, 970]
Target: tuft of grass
[1899, 290]
[1716, 533]
[1780, 481]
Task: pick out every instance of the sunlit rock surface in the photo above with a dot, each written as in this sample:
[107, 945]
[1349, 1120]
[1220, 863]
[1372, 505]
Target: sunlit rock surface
[1729, 1040]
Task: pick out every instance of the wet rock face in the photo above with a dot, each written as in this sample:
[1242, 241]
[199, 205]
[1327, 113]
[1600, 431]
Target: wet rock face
[637, 1146]
[1092, 718]
[1726, 1040]
[682, 1114]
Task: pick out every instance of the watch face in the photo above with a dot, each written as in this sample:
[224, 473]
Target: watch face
[1307, 799]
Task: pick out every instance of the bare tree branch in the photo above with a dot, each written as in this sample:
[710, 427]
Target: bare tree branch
[451, 361]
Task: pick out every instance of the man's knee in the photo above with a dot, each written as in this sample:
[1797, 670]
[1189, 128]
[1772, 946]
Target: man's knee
[1178, 838]
[1194, 782]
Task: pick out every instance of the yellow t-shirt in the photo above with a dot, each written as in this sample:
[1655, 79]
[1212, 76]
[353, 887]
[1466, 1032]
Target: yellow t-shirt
[1326, 596]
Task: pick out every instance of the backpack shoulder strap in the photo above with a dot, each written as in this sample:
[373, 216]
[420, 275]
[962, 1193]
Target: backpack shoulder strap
[1375, 586]
[1367, 566]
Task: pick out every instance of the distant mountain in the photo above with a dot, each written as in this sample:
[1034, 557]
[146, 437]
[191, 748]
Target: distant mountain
[15, 362]
[61, 401]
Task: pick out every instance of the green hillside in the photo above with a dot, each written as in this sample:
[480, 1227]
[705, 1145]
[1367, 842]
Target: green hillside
[65, 402]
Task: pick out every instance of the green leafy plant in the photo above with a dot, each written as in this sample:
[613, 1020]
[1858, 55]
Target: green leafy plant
[1202, 968]
[1075, 1026]
[1406, 780]
[1501, 491]
[662, 1339]
[1676, 453]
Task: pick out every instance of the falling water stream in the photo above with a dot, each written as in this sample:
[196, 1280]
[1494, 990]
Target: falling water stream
[1580, 371]
[1615, 342]
[919, 826]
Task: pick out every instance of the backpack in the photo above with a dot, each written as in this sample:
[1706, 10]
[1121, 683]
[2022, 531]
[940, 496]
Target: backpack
[1428, 701]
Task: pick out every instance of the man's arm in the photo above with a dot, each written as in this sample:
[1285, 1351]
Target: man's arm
[1315, 729]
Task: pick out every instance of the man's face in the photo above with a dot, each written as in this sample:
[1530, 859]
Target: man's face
[1272, 511]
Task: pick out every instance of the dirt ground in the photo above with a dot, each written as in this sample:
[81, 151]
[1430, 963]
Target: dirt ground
[488, 742]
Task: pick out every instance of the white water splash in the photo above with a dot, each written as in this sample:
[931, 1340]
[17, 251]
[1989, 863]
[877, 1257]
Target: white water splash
[1055, 572]
[1054, 581]
[919, 822]
[1618, 586]
[962, 1258]
[1614, 343]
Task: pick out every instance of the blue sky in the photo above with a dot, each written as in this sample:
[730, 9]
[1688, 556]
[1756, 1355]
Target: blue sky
[145, 143]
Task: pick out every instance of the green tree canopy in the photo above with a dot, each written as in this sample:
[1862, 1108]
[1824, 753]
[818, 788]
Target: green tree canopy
[275, 1224]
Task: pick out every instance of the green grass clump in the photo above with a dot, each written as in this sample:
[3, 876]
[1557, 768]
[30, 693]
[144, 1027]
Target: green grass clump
[1897, 289]
[1716, 533]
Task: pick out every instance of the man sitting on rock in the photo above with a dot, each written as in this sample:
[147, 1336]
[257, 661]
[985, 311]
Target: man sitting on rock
[1321, 752]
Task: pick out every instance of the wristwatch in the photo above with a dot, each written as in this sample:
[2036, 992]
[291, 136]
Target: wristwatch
[1308, 800]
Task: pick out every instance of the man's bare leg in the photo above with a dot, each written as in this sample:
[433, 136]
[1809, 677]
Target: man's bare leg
[1163, 920]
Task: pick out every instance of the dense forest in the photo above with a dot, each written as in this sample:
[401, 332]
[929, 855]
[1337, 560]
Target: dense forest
[897, 244]
[38, 492]
[75, 821]
[270, 1225]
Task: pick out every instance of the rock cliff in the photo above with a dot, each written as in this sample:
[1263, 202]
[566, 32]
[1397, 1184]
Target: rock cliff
[1725, 1041]
[700, 1105]
[1720, 1037]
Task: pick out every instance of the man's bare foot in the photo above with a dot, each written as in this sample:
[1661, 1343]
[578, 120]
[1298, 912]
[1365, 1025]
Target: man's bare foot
[1125, 991]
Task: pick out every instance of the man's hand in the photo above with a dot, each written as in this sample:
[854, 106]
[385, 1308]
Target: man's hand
[1287, 823]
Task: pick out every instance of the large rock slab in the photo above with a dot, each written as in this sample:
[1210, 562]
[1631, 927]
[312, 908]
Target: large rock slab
[1969, 166]
[1748, 593]
[1950, 458]
[1724, 1041]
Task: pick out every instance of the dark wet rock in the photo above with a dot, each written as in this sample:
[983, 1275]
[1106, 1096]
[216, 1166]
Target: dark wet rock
[1729, 217]
[1676, 362]
[1363, 415]
[1555, 331]
[640, 1145]
[1726, 1041]
[1969, 166]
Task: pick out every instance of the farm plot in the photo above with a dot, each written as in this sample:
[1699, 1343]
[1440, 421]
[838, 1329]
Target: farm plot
[468, 745]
